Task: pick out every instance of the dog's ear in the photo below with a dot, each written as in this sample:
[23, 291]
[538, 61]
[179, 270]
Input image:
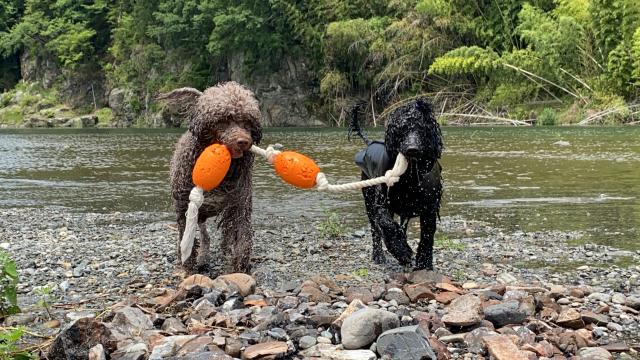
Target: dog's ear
[435, 134]
[182, 100]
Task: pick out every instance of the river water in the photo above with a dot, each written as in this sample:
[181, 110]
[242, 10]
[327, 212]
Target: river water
[529, 179]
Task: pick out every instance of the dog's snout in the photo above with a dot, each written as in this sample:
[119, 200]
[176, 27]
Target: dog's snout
[412, 151]
[244, 143]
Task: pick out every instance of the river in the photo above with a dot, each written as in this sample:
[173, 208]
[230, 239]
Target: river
[529, 179]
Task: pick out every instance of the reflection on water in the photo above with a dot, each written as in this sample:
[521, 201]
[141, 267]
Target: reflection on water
[511, 178]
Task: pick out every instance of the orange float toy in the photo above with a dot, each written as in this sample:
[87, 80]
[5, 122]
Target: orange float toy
[211, 167]
[296, 169]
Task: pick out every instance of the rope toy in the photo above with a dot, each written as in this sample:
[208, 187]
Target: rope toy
[294, 168]
[208, 172]
[298, 170]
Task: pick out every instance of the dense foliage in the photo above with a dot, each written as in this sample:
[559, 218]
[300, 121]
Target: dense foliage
[580, 57]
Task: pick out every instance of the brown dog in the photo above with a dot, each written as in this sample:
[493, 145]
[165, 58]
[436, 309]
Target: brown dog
[228, 114]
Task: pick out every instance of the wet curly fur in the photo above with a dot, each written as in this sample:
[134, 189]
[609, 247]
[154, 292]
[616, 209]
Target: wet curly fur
[227, 113]
[413, 131]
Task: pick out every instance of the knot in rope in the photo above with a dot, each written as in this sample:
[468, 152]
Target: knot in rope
[196, 196]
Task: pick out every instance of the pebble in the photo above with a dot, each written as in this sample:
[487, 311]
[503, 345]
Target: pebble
[306, 342]
[113, 271]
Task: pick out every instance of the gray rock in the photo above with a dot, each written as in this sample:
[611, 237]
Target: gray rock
[163, 350]
[600, 297]
[618, 298]
[232, 304]
[474, 340]
[398, 295]
[278, 334]
[131, 321]
[614, 327]
[633, 302]
[463, 311]
[594, 353]
[409, 342]
[120, 104]
[174, 326]
[506, 279]
[505, 313]
[306, 342]
[250, 336]
[599, 332]
[365, 325]
[283, 93]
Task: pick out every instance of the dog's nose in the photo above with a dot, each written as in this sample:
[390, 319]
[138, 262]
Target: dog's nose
[243, 144]
[412, 151]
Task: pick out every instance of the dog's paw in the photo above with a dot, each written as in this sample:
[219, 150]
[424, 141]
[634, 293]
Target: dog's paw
[405, 260]
[422, 266]
[379, 259]
[204, 268]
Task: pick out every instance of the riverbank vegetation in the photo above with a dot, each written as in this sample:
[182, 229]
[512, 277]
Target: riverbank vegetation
[513, 61]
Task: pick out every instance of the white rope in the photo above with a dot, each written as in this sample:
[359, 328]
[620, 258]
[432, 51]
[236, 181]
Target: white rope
[196, 198]
[390, 177]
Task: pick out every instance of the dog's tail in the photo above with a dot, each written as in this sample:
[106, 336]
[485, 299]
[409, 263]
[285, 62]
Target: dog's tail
[354, 124]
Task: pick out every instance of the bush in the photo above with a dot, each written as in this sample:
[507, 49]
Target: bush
[105, 115]
[8, 282]
[547, 117]
[11, 115]
[332, 225]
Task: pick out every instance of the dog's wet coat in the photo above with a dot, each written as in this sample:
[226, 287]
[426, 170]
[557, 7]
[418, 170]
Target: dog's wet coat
[227, 113]
[413, 131]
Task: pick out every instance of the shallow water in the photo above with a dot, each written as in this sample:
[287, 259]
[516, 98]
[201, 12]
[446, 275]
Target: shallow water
[512, 178]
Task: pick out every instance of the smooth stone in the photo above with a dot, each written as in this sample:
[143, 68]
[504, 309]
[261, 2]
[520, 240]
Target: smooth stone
[600, 297]
[506, 279]
[463, 311]
[614, 327]
[409, 342]
[505, 313]
[594, 353]
[174, 326]
[618, 298]
[365, 325]
[306, 342]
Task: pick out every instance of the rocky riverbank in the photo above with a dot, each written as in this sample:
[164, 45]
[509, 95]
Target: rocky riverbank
[539, 295]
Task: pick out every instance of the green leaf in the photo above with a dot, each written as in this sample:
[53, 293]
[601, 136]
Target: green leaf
[10, 269]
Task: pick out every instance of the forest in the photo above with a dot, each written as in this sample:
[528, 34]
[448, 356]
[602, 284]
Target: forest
[539, 61]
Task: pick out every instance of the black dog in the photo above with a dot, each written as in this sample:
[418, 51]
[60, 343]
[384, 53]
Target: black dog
[413, 131]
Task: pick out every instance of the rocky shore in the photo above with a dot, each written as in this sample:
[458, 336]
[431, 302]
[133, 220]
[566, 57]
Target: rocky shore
[111, 278]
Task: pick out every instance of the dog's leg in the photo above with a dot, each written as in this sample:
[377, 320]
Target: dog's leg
[203, 250]
[369, 194]
[237, 233]
[424, 257]
[394, 237]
